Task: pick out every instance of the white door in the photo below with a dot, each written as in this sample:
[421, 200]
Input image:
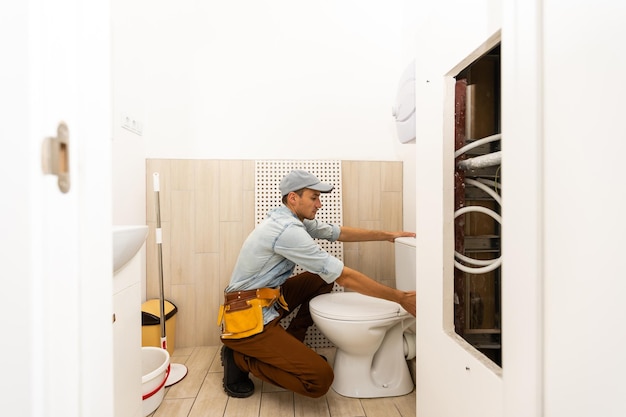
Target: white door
[55, 246]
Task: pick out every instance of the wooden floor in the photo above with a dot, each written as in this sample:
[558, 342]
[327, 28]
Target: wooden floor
[200, 393]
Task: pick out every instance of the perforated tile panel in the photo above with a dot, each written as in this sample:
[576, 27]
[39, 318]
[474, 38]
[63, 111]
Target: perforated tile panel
[268, 174]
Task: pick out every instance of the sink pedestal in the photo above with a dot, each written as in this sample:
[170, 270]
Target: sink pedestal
[127, 373]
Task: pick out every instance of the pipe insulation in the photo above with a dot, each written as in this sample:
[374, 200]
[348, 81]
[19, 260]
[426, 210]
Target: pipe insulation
[483, 161]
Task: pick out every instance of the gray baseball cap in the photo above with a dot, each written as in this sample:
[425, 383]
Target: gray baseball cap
[299, 179]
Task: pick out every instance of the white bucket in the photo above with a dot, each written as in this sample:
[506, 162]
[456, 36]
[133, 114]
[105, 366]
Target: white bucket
[155, 366]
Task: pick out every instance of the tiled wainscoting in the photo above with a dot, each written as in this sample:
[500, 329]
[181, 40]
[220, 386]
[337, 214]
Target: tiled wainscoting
[207, 210]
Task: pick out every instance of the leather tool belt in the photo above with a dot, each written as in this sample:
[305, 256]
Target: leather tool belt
[241, 315]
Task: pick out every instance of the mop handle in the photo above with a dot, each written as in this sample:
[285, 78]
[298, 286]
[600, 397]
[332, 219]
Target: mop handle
[156, 187]
[159, 241]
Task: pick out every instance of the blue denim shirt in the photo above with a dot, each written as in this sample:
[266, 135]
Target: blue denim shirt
[279, 243]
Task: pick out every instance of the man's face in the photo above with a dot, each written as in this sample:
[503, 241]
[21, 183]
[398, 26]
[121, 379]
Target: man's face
[306, 206]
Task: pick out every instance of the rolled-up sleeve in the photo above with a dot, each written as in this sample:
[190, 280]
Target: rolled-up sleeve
[295, 244]
[321, 230]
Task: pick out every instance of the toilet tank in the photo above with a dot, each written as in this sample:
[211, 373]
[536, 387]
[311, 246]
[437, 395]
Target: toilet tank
[405, 263]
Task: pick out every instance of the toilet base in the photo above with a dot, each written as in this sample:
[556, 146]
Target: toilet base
[354, 377]
[386, 374]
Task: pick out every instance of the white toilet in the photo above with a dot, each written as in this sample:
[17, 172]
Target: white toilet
[374, 337]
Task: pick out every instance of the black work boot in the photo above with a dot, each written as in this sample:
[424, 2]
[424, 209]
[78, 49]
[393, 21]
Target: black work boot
[236, 382]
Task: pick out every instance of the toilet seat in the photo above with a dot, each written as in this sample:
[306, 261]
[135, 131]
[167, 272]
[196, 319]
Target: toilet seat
[352, 306]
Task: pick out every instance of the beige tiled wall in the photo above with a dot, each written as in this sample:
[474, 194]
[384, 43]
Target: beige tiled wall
[207, 210]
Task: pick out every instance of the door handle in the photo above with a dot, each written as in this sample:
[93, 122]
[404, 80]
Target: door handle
[55, 159]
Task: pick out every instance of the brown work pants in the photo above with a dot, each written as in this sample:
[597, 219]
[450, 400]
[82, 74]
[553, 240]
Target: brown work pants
[279, 356]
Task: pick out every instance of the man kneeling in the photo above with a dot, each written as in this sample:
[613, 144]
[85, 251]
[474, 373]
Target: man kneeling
[261, 292]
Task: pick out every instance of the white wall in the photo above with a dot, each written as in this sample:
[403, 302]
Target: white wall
[452, 378]
[584, 141]
[256, 80]
[522, 288]
[562, 225]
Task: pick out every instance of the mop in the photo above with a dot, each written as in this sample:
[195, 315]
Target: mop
[177, 371]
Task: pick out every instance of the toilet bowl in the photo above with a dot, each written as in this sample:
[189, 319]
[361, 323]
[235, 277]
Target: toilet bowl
[372, 349]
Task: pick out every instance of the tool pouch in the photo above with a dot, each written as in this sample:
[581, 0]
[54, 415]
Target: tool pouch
[241, 321]
[243, 316]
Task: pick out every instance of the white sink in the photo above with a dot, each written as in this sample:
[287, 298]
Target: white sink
[127, 240]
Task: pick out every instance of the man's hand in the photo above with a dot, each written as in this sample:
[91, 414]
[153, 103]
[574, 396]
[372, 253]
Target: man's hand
[408, 302]
[400, 234]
